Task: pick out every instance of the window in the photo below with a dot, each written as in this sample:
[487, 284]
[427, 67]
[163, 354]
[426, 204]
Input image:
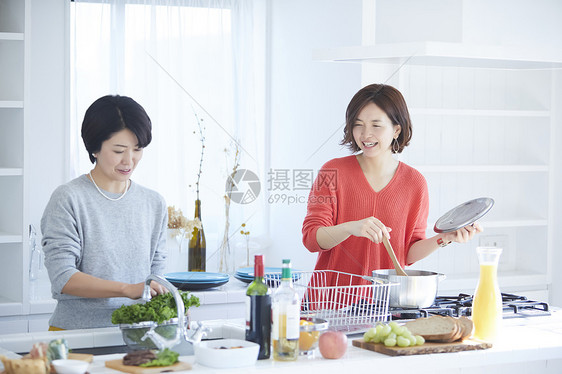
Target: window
[182, 61]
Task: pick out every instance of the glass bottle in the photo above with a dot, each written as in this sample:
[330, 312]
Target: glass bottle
[487, 306]
[285, 307]
[197, 252]
[258, 311]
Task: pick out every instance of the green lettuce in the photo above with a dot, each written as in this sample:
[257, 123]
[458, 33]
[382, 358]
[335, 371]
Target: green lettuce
[165, 357]
[159, 309]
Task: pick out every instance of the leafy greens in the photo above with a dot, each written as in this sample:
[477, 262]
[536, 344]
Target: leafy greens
[165, 357]
[159, 309]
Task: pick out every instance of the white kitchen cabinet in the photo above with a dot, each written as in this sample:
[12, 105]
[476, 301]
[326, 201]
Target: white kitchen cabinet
[13, 235]
[482, 126]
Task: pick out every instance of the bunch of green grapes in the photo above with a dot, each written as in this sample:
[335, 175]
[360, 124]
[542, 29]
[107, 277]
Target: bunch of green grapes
[392, 334]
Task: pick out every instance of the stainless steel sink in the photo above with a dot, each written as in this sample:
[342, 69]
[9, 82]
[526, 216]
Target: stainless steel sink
[103, 350]
[221, 329]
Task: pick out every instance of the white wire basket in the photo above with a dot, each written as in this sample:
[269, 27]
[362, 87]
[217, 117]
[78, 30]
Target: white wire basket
[349, 302]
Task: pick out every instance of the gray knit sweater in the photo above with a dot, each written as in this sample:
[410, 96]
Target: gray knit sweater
[120, 240]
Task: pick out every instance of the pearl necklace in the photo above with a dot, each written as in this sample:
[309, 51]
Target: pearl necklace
[104, 195]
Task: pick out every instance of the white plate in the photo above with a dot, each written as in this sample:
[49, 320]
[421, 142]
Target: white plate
[70, 366]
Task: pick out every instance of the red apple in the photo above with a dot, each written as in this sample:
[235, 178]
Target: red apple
[332, 344]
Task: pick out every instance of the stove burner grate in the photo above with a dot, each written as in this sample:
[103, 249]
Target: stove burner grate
[514, 306]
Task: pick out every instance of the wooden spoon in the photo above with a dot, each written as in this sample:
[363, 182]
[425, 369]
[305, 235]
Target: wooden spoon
[388, 246]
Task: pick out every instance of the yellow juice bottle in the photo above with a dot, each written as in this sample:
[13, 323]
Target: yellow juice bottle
[487, 305]
[285, 312]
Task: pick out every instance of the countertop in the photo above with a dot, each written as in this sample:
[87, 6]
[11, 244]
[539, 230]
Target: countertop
[525, 345]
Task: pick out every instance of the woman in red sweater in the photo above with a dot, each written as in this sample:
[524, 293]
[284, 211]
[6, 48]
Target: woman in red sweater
[358, 199]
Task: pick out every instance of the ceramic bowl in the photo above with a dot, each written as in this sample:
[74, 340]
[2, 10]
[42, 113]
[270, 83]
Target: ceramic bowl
[70, 366]
[310, 330]
[226, 353]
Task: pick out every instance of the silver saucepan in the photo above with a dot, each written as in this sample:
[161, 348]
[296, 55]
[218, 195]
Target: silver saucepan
[417, 290]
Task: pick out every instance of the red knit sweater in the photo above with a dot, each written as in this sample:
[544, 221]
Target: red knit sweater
[341, 193]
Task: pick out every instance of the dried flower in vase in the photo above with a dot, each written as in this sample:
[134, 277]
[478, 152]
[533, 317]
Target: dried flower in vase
[183, 227]
[201, 127]
[224, 249]
[247, 237]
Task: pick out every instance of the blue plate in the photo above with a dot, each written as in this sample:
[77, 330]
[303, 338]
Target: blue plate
[196, 277]
[249, 271]
[188, 286]
[243, 279]
[271, 274]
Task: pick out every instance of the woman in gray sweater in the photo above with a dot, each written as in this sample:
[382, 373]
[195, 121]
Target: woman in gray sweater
[103, 234]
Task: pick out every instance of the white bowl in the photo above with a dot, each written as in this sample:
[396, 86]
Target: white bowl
[70, 366]
[209, 353]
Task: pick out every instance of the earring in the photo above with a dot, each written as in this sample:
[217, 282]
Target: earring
[395, 146]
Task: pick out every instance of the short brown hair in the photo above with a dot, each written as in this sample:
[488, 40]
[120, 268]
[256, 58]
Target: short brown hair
[391, 101]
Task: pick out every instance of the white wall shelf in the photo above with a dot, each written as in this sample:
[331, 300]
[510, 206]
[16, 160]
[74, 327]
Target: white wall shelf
[11, 36]
[13, 214]
[509, 280]
[478, 112]
[516, 223]
[511, 223]
[9, 238]
[14, 104]
[7, 172]
[471, 107]
[481, 168]
[445, 54]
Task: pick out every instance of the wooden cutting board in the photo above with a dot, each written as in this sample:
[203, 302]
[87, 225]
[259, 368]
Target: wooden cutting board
[81, 356]
[118, 365]
[426, 348]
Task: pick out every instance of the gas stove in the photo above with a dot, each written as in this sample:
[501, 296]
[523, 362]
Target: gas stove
[514, 306]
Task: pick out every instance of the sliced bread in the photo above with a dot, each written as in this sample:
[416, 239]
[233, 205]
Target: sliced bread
[467, 327]
[458, 334]
[435, 328]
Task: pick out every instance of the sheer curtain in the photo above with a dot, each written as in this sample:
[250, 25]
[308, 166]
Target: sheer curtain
[193, 66]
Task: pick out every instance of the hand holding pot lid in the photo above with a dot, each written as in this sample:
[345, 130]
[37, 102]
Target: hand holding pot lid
[463, 215]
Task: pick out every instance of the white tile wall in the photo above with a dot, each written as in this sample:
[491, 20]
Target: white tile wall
[13, 326]
[107, 337]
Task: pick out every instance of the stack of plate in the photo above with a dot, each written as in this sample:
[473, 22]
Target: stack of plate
[194, 280]
[271, 275]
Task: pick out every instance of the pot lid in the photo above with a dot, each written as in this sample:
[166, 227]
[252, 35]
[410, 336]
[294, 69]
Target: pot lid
[463, 215]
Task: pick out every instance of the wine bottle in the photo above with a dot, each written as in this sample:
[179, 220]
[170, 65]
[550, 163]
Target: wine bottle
[197, 252]
[258, 311]
[285, 307]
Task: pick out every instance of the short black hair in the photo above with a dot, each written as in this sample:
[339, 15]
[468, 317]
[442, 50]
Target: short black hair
[110, 114]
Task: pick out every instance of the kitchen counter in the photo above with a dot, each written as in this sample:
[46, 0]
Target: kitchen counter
[224, 302]
[525, 345]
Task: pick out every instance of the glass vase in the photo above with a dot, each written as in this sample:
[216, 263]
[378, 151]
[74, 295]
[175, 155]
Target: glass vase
[197, 252]
[487, 309]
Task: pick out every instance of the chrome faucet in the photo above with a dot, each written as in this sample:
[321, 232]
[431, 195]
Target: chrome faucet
[181, 330]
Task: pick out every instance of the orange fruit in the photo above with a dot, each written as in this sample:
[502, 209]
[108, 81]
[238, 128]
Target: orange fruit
[307, 339]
